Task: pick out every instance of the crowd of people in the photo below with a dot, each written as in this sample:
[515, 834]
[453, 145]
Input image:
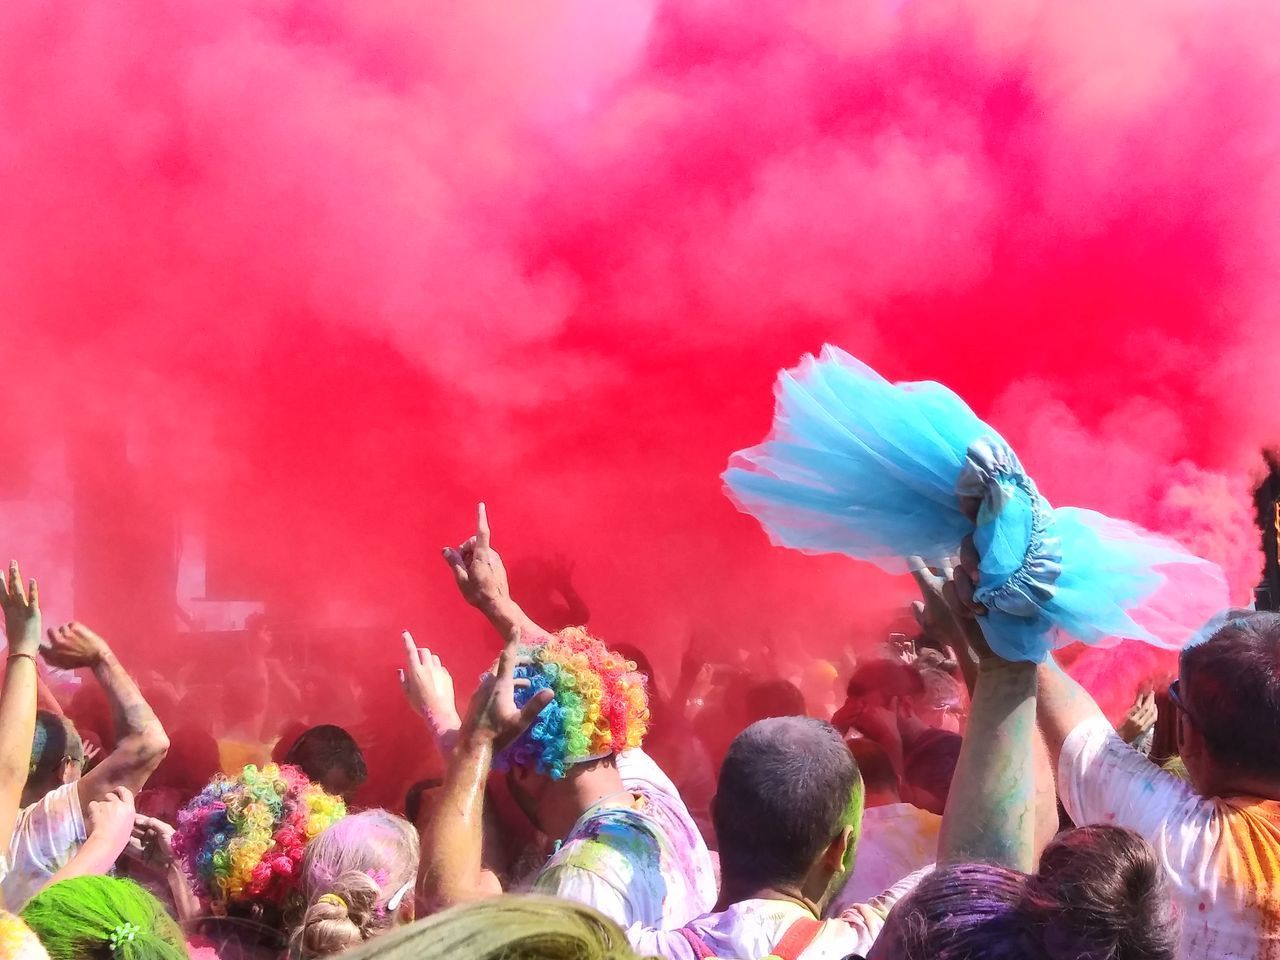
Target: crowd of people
[932, 801]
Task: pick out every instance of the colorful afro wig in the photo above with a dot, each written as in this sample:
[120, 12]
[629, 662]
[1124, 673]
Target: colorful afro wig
[241, 841]
[17, 942]
[600, 706]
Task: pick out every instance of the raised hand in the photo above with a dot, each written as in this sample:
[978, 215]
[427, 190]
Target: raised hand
[151, 842]
[493, 714]
[958, 594]
[477, 568]
[111, 819]
[428, 686]
[21, 612]
[966, 579]
[74, 645]
[1140, 718]
[931, 611]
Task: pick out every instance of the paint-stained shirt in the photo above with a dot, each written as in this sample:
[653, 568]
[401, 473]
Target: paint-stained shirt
[750, 929]
[636, 858]
[1221, 854]
[45, 838]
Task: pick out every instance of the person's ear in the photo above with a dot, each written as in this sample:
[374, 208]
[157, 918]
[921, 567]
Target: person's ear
[833, 858]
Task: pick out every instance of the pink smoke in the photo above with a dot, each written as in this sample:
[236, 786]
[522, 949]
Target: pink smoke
[335, 270]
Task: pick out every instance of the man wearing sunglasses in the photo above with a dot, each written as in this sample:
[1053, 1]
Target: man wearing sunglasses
[1218, 834]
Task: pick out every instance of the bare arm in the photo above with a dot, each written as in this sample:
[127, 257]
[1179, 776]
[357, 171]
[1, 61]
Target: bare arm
[451, 870]
[990, 814]
[18, 695]
[935, 613]
[991, 806]
[141, 742]
[1062, 706]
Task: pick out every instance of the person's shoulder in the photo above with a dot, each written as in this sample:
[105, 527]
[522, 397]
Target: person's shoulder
[622, 827]
[1262, 810]
[839, 937]
[59, 803]
[650, 941]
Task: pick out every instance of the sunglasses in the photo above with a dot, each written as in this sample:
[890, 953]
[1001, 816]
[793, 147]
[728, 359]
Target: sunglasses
[1175, 697]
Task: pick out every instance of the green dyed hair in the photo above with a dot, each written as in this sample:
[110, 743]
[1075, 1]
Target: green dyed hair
[77, 919]
[513, 927]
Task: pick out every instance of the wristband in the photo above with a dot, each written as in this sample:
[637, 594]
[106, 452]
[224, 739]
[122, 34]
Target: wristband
[29, 656]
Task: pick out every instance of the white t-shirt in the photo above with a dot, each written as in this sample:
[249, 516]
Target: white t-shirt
[751, 929]
[47, 835]
[896, 840]
[1221, 854]
[638, 861]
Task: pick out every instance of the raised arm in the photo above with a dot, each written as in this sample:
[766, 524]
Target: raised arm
[482, 580]
[990, 814]
[18, 695]
[451, 870]
[140, 740]
[1062, 705]
[934, 613]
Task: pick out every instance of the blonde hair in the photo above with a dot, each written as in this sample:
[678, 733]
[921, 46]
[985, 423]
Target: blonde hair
[350, 874]
[511, 927]
[17, 941]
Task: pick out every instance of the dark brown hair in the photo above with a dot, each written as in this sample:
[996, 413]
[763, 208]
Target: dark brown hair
[1101, 894]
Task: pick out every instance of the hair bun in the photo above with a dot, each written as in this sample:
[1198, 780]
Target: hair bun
[334, 900]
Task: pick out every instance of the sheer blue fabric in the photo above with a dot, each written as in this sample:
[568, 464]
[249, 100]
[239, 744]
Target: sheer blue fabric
[879, 471]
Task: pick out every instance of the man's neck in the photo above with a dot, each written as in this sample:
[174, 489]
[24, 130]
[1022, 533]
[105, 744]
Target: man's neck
[1230, 784]
[582, 788]
[732, 893]
[881, 799]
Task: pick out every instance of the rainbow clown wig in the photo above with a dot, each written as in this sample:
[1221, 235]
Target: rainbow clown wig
[600, 706]
[241, 841]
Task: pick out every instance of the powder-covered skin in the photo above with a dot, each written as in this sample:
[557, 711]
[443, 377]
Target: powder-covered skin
[637, 858]
[1221, 854]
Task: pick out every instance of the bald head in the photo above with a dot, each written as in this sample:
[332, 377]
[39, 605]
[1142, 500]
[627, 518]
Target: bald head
[787, 787]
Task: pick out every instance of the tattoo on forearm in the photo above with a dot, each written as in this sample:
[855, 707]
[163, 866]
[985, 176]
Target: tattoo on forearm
[131, 712]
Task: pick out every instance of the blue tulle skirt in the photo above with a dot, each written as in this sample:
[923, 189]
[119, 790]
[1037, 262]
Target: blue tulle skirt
[881, 472]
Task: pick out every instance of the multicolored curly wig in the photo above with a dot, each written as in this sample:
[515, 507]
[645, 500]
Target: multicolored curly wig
[600, 706]
[241, 841]
[103, 917]
[17, 942]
